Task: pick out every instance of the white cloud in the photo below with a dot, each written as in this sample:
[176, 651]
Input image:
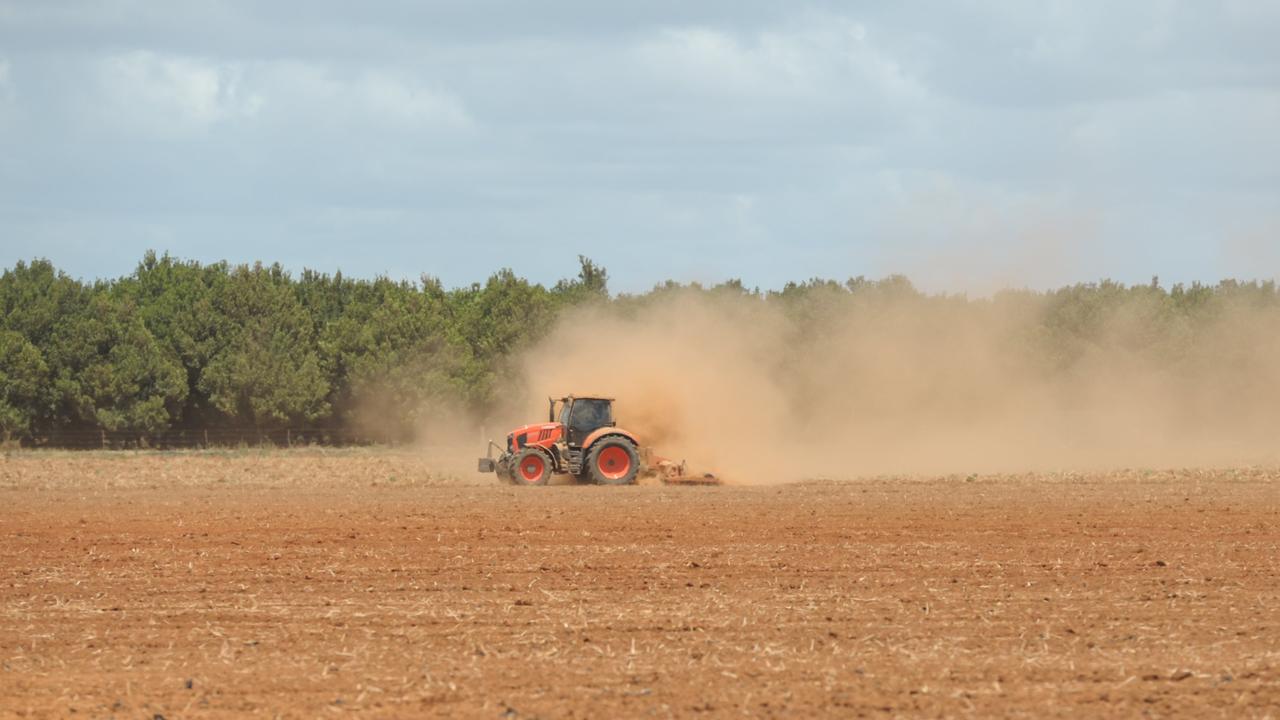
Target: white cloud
[8, 94]
[1202, 138]
[950, 233]
[707, 125]
[1252, 247]
[712, 61]
[6, 81]
[399, 102]
[816, 60]
[171, 95]
[316, 95]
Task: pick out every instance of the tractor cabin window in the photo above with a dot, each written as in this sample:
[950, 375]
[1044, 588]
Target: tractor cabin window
[590, 414]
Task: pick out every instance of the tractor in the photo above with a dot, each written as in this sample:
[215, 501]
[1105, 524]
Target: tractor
[581, 440]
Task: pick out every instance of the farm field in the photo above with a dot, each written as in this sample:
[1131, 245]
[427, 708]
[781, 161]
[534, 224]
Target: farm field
[314, 583]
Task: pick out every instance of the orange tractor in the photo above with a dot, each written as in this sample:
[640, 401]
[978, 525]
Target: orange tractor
[581, 440]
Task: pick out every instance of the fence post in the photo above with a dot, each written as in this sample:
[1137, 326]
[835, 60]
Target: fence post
[104, 437]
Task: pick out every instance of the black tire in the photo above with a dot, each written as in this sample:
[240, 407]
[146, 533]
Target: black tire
[605, 465]
[532, 467]
[506, 470]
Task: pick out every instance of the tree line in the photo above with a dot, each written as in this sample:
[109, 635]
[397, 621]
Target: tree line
[183, 346]
[180, 348]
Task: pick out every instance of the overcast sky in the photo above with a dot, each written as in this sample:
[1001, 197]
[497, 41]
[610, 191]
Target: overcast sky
[968, 144]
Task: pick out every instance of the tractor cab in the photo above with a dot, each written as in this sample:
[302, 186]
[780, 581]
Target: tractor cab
[581, 416]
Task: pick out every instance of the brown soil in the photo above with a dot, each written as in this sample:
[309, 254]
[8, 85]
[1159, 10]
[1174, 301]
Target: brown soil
[310, 584]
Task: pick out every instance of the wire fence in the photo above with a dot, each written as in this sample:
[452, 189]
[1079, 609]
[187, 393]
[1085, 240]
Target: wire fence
[178, 439]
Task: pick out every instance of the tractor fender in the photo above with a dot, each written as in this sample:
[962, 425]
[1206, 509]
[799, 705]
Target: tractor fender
[605, 431]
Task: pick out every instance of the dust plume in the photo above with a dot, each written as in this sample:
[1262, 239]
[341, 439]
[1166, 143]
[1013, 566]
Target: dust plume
[868, 380]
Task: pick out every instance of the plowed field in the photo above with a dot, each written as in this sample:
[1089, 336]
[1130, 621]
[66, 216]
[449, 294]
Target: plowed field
[317, 584]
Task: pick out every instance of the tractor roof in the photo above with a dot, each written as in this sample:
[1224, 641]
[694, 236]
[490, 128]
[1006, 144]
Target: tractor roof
[585, 397]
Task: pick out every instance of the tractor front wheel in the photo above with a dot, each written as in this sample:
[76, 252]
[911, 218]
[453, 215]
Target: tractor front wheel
[613, 461]
[505, 469]
[532, 467]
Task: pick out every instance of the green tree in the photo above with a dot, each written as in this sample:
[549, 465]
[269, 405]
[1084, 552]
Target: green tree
[36, 300]
[176, 302]
[592, 284]
[496, 320]
[401, 360]
[24, 385]
[111, 373]
[266, 371]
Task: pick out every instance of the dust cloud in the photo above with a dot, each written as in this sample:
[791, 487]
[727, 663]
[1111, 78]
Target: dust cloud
[886, 383]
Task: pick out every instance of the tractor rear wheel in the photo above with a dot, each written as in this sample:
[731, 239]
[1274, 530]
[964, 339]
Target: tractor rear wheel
[532, 467]
[613, 461]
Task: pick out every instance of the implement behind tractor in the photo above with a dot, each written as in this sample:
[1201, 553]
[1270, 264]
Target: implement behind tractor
[583, 441]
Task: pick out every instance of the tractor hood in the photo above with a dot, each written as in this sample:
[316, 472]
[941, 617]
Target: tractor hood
[542, 434]
[535, 428]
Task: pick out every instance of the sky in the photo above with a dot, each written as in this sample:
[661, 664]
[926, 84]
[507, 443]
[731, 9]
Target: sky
[970, 145]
